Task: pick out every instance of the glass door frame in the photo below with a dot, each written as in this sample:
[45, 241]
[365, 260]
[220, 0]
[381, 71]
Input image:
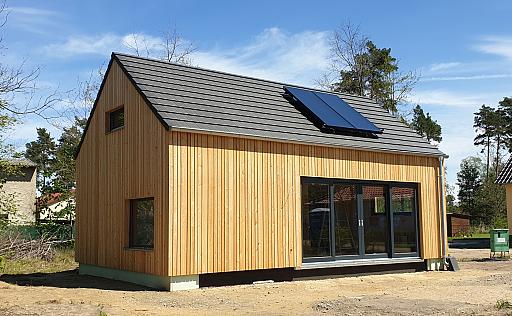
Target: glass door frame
[359, 198]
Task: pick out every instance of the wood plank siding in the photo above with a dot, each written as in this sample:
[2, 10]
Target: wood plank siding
[221, 203]
[236, 203]
[115, 167]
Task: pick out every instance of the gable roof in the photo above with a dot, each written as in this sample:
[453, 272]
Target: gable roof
[21, 162]
[505, 176]
[207, 101]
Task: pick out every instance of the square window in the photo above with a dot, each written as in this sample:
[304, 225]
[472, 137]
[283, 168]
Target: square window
[141, 223]
[115, 119]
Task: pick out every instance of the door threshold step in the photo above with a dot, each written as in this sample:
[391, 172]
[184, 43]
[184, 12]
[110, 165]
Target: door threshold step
[357, 262]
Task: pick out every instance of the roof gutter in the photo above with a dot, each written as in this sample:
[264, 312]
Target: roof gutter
[442, 215]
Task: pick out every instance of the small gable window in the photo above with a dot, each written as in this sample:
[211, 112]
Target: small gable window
[115, 119]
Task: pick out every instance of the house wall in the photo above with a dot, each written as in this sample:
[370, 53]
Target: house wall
[111, 169]
[236, 205]
[23, 187]
[509, 205]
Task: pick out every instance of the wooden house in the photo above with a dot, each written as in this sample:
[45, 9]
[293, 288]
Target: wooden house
[505, 178]
[187, 175]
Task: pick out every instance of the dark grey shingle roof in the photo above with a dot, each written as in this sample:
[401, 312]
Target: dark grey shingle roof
[505, 175]
[191, 98]
[22, 162]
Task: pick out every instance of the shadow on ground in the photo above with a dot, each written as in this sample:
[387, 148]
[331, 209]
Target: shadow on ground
[69, 279]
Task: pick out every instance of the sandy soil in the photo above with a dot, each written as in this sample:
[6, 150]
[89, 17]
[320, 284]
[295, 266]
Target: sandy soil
[473, 290]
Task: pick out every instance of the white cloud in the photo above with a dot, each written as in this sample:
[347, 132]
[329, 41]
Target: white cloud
[496, 45]
[443, 66]
[33, 20]
[472, 77]
[453, 99]
[105, 44]
[274, 54]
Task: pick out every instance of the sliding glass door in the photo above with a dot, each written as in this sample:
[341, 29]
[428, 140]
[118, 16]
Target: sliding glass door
[316, 221]
[358, 219]
[346, 220]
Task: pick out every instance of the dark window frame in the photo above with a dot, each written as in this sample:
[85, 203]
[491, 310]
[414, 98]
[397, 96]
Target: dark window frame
[131, 224]
[388, 185]
[109, 122]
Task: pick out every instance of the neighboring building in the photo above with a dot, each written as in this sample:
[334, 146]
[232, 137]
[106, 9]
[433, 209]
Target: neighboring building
[55, 206]
[458, 225]
[23, 186]
[505, 178]
[185, 174]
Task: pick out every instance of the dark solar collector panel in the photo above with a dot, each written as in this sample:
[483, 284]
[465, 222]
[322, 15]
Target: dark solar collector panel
[331, 112]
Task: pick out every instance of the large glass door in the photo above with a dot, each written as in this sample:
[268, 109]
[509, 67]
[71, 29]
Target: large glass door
[375, 220]
[316, 220]
[404, 214]
[346, 221]
[358, 219]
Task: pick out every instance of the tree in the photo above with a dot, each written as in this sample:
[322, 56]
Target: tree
[425, 125]
[491, 201]
[64, 165]
[505, 108]
[492, 132]
[366, 70]
[469, 181]
[483, 123]
[42, 151]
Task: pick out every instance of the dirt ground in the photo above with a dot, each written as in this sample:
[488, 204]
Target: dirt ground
[473, 290]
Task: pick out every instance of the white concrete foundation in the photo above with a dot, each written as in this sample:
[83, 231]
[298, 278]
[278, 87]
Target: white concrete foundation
[167, 283]
[434, 264]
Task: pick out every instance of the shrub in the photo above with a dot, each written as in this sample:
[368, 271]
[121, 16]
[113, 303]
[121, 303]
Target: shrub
[503, 304]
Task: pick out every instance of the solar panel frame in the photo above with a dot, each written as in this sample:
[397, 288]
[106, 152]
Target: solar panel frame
[325, 110]
[323, 113]
[348, 113]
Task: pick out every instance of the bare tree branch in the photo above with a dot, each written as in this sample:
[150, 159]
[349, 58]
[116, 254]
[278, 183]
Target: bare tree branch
[176, 49]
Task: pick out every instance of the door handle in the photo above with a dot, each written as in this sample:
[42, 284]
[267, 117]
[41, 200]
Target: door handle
[361, 223]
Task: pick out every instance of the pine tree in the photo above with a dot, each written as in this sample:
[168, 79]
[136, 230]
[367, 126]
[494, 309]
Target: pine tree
[425, 125]
[42, 151]
[469, 182]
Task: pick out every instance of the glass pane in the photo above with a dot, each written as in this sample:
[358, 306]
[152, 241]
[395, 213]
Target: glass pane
[315, 221]
[403, 205]
[346, 225]
[142, 223]
[116, 119]
[376, 232]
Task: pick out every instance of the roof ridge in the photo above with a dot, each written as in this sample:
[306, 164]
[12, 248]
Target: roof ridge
[243, 76]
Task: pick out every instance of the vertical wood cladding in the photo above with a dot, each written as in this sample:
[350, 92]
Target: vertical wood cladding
[236, 202]
[112, 168]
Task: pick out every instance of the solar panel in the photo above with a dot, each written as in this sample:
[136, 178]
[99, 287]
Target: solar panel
[322, 112]
[348, 113]
[331, 112]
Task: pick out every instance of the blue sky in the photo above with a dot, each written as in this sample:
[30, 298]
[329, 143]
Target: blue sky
[463, 49]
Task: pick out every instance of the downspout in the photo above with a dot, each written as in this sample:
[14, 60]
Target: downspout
[442, 216]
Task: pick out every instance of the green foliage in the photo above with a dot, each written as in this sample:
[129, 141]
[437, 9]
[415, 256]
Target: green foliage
[469, 181]
[480, 196]
[42, 151]
[503, 304]
[494, 131]
[56, 166]
[2, 264]
[425, 125]
[371, 76]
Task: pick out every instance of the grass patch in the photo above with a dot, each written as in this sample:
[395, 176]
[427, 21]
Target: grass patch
[503, 304]
[63, 260]
[473, 236]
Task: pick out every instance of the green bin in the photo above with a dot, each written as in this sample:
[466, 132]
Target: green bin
[499, 240]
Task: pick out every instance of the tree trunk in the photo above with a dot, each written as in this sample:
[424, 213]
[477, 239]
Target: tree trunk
[488, 156]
